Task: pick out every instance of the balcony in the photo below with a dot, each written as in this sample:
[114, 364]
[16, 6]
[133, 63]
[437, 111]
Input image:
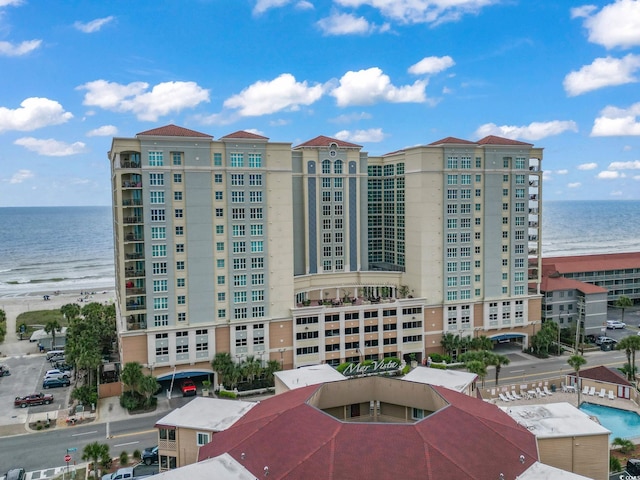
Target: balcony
[132, 237]
[132, 273]
[137, 304]
[137, 322]
[131, 202]
[134, 256]
[132, 220]
[127, 164]
[134, 291]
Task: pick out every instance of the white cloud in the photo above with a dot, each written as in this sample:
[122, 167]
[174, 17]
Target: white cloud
[361, 136]
[345, 24]
[616, 193]
[279, 122]
[33, 113]
[615, 121]
[351, 117]
[627, 148]
[533, 131]
[616, 25]
[264, 5]
[609, 175]
[104, 131]
[367, 87]
[632, 165]
[255, 131]
[50, 147]
[422, 11]
[20, 176]
[12, 50]
[603, 72]
[431, 65]
[588, 166]
[93, 25]
[281, 93]
[562, 172]
[636, 177]
[574, 185]
[163, 99]
[304, 5]
[583, 11]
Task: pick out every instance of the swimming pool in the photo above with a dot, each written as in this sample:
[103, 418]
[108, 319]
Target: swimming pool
[621, 423]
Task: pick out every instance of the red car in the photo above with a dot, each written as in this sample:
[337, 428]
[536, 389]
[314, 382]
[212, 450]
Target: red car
[188, 388]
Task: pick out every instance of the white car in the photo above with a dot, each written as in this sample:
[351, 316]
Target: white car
[614, 324]
[56, 373]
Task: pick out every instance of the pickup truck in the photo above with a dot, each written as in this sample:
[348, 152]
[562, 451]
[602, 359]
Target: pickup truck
[188, 388]
[33, 399]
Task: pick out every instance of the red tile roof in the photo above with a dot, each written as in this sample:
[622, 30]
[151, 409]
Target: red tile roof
[591, 263]
[173, 131]
[322, 141]
[468, 439]
[493, 140]
[604, 374]
[453, 140]
[245, 134]
[553, 284]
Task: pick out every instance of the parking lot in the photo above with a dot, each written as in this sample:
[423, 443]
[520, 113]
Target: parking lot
[26, 376]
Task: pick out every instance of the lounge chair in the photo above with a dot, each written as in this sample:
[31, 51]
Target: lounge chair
[585, 390]
[592, 391]
[611, 395]
[503, 398]
[510, 396]
[540, 392]
[547, 391]
[515, 395]
[563, 387]
[602, 393]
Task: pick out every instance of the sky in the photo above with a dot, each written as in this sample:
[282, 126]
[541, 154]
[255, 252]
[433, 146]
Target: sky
[385, 74]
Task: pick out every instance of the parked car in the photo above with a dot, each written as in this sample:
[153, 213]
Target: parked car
[615, 324]
[33, 399]
[603, 339]
[120, 474]
[56, 382]
[633, 466]
[54, 353]
[16, 474]
[61, 365]
[150, 455]
[57, 373]
[188, 388]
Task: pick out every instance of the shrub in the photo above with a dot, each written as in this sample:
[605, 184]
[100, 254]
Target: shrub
[439, 365]
[137, 454]
[436, 357]
[614, 464]
[406, 369]
[85, 394]
[124, 458]
[227, 394]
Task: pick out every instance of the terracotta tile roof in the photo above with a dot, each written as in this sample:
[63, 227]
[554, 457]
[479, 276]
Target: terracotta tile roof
[468, 439]
[592, 263]
[603, 374]
[173, 131]
[553, 284]
[494, 140]
[322, 141]
[245, 134]
[452, 140]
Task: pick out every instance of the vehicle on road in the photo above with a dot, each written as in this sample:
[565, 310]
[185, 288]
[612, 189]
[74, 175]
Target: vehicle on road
[4, 371]
[603, 339]
[56, 382]
[615, 324]
[150, 455]
[61, 365]
[57, 373]
[633, 466]
[16, 474]
[120, 474]
[33, 399]
[188, 388]
[54, 353]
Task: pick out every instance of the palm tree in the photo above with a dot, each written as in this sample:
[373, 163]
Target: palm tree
[449, 343]
[252, 367]
[498, 361]
[625, 445]
[51, 327]
[70, 311]
[148, 385]
[625, 344]
[272, 367]
[623, 302]
[222, 364]
[576, 362]
[95, 452]
[132, 375]
[482, 343]
[634, 344]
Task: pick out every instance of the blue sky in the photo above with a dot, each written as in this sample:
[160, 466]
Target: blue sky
[385, 74]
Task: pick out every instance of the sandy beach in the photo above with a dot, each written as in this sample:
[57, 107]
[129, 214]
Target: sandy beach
[14, 305]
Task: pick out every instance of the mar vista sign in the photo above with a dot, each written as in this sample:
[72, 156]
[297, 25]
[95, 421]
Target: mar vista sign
[371, 367]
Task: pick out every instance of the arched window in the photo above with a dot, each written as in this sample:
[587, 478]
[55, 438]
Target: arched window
[326, 166]
[337, 166]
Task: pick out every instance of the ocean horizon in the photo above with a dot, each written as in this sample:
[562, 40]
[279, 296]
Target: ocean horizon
[45, 249]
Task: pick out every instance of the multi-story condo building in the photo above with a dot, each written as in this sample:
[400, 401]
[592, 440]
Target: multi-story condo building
[319, 253]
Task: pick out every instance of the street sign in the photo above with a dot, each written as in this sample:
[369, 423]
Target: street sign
[67, 458]
[72, 449]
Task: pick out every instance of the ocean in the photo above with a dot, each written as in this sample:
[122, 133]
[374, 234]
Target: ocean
[44, 249]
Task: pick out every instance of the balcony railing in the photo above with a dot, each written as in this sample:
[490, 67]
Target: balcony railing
[134, 256]
[138, 305]
[130, 184]
[130, 237]
[135, 291]
[126, 164]
[131, 220]
[131, 201]
[130, 273]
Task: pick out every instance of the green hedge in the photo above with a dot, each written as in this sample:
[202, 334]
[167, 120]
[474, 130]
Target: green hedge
[227, 394]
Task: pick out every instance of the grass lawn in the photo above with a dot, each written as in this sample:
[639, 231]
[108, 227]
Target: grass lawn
[37, 319]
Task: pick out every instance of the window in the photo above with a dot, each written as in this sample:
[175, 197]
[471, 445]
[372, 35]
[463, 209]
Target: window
[238, 230]
[219, 195]
[257, 279]
[179, 230]
[255, 179]
[237, 213]
[179, 213]
[239, 297]
[157, 215]
[161, 303]
[237, 160]
[257, 312]
[222, 313]
[179, 247]
[257, 262]
[155, 159]
[176, 158]
[237, 197]
[255, 160]
[255, 197]
[177, 178]
[220, 280]
[239, 280]
[452, 179]
[257, 295]
[160, 268]
[202, 438]
[256, 230]
[158, 233]
[217, 178]
[219, 246]
[160, 285]
[158, 250]
[255, 213]
[219, 212]
[217, 159]
[257, 246]
[237, 179]
[181, 299]
[156, 179]
[180, 282]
